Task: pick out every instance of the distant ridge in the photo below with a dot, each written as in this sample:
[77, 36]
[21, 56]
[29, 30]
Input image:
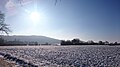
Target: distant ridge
[31, 38]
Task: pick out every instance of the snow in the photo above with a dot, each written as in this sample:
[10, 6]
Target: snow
[76, 56]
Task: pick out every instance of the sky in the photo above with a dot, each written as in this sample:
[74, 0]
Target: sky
[84, 19]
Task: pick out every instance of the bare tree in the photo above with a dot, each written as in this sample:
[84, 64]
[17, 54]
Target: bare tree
[56, 1]
[3, 26]
[21, 1]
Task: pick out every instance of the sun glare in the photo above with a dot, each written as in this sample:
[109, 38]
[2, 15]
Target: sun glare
[35, 16]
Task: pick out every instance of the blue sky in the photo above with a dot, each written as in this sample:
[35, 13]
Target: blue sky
[84, 19]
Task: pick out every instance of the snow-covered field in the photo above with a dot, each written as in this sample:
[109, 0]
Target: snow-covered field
[67, 56]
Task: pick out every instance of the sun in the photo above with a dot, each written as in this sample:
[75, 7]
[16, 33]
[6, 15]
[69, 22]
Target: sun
[35, 16]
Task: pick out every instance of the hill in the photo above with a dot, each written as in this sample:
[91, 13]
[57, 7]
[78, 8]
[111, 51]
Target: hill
[30, 39]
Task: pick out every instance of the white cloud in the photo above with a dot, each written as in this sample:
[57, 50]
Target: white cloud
[10, 5]
[13, 5]
[10, 8]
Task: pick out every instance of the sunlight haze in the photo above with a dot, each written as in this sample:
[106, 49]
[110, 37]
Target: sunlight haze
[84, 19]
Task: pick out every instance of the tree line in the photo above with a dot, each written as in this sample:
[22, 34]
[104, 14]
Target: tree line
[90, 42]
